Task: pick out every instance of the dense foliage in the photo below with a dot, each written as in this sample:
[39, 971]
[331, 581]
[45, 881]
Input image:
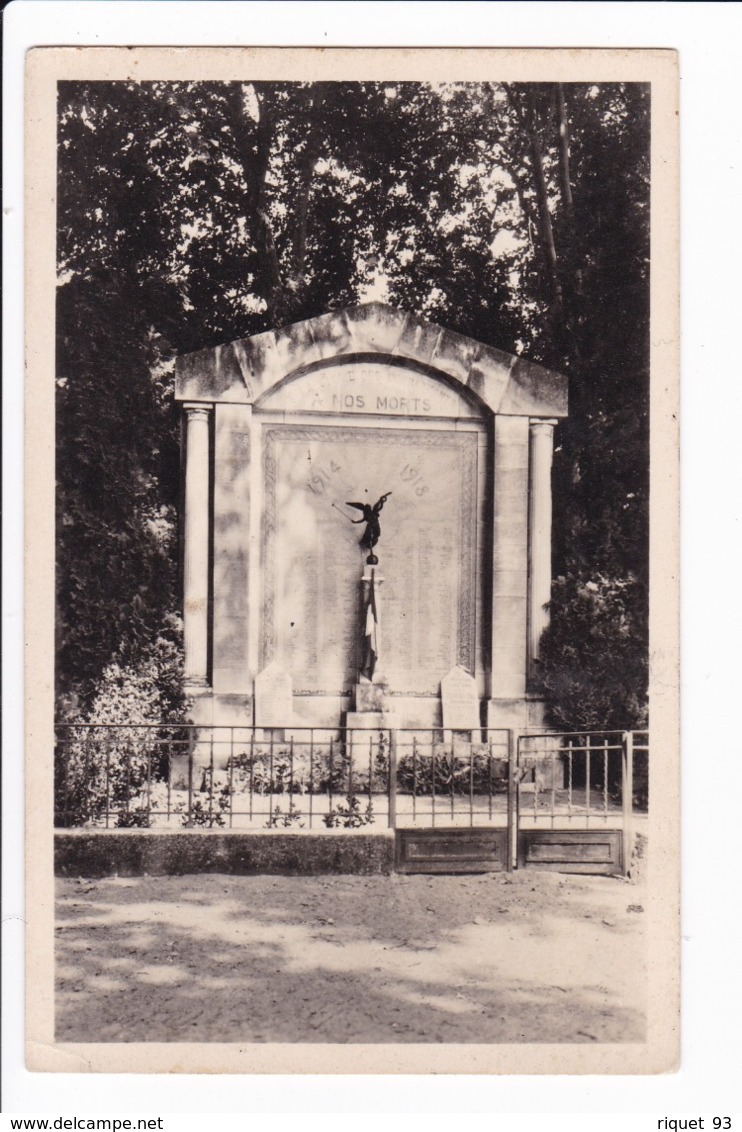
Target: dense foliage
[191, 214]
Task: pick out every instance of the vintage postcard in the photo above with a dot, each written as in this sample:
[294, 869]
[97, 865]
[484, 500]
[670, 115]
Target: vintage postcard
[352, 560]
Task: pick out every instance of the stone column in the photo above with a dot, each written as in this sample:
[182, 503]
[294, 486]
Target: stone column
[196, 565]
[230, 672]
[509, 644]
[539, 533]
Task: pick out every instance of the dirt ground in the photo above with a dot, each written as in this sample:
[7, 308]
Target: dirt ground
[532, 957]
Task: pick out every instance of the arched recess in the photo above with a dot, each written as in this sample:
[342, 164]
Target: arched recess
[350, 431]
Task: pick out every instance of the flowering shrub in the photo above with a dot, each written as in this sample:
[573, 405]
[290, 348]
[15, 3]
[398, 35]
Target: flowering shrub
[447, 773]
[297, 770]
[103, 769]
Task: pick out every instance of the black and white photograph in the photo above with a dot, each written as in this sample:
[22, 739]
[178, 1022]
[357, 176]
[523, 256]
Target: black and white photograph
[358, 709]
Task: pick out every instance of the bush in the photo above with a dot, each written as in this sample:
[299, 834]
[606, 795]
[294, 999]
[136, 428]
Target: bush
[594, 664]
[297, 770]
[106, 765]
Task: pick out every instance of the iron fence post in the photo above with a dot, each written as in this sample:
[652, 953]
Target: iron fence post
[231, 774]
[512, 832]
[149, 785]
[189, 815]
[393, 779]
[108, 783]
[627, 798]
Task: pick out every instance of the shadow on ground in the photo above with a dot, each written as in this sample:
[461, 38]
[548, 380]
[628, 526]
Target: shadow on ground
[207, 958]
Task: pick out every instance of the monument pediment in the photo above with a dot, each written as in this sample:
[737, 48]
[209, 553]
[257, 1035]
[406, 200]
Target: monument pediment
[249, 369]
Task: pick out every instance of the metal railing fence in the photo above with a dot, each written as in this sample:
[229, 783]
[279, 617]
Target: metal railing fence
[581, 777]
[185, 775]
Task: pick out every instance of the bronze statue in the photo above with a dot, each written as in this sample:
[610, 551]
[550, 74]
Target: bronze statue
[372, 534]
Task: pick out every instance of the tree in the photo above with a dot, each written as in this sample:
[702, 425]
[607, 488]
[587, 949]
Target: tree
[597, 331]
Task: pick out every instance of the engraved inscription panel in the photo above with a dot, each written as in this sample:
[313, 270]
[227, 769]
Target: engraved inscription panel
[312, 594]
[369, 387]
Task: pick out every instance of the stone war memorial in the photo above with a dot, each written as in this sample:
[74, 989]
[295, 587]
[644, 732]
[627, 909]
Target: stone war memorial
[367, 526]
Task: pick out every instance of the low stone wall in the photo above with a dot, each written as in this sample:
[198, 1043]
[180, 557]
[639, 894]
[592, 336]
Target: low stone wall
[130, 852]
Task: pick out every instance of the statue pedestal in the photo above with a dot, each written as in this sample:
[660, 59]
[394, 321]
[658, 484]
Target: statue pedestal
[372, 695]
[372, 705]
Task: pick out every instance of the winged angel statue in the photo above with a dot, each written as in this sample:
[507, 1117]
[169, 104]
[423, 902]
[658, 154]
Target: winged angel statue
[372, 534]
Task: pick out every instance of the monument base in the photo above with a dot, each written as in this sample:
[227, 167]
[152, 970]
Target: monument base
[527, 713]
[463, 743]
[375, 720]
[201, 708]
[372, 705]
[194, 744]
[372, 695]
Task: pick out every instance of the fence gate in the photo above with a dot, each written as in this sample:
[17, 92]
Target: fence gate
[555, 801]
[454, 801]
[576, 798]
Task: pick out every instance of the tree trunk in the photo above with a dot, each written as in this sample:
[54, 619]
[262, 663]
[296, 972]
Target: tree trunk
[542, 199]
[306, 171]
[255, 159]
[565, 183]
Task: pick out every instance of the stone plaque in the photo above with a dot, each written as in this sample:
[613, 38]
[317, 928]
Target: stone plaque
[312, 623]
[273, 698]
[460, 701]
